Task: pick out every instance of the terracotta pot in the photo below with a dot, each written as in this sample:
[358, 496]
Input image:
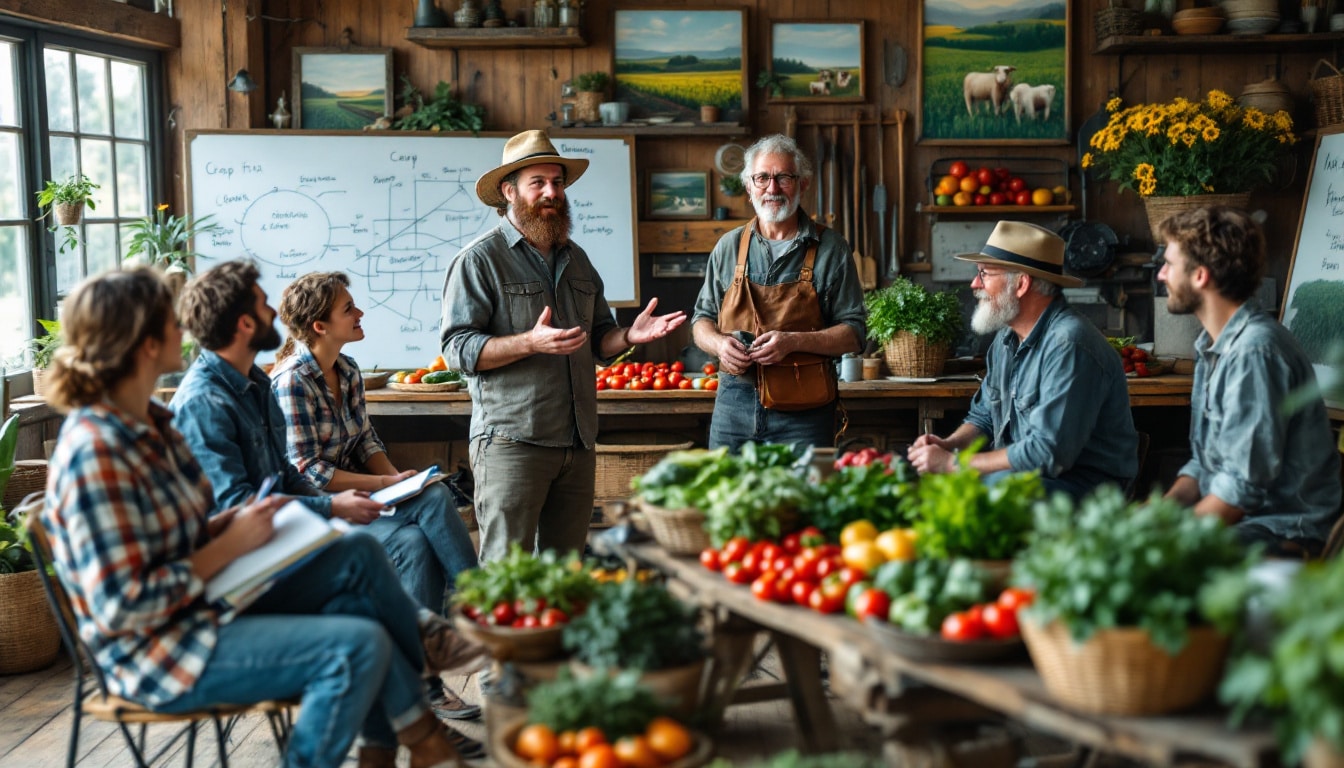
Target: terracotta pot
[1161, 208]
[29, 638]
[586, 104]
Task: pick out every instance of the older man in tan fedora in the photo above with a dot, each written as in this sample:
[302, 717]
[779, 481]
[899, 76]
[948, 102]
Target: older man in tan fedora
[525, 318]
[1054, 396]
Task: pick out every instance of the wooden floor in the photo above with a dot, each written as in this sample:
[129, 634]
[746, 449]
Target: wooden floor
[35, 727]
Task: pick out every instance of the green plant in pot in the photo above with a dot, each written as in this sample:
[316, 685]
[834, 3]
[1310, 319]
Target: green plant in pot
[731, 185]
[591, 91]
[441, 112]
[164, 240]
[29, 638]
[915, 326]
[43, 348]
[65, 202]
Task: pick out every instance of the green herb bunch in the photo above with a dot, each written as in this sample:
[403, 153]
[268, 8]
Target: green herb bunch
[958, 515]
[635, 625]
[617, 704]
[1105, 562]
[909, 306]
[562, 582]
[592, 82]
[875, 491]
[443, 112]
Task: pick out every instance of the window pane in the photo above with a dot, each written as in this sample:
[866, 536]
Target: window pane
[60, 108]
[13, 198]
[9, 87]
[63, 164]
[68, 267]
[93, 106]
[128, 99]
[101, 246]
[132, 184]
[15, 309]
[95, 158]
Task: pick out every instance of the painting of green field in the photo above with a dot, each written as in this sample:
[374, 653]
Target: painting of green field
[687, 89]
[337, 114]
[796, 86]
[1036, 48]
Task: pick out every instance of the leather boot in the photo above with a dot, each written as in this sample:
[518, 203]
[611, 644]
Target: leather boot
[428, 741]
[445, 649]
[377, 757]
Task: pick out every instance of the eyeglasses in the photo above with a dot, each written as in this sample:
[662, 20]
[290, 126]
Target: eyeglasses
[985, 274]
[784, 180]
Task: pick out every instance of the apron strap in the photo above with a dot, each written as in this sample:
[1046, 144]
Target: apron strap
[804, 274]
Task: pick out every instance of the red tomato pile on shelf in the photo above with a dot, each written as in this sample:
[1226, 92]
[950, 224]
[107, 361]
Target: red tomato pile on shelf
[863, 457]
[801, 569]
[964, 186]
[655, 376]
[1136, 360]
[518, 614]
[996, 620]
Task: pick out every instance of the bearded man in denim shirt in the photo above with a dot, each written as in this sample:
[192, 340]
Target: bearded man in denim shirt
[1054, 396]
[1271, 474]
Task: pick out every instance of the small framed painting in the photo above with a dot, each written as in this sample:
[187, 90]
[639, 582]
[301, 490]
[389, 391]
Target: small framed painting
[820, 61]
[677, 195]
[341, 89]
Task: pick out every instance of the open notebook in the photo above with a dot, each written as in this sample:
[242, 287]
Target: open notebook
[407, 488]
[299, 531]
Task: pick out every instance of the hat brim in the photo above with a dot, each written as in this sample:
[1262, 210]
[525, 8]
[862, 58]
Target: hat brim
[487, 187]
[1064, 281]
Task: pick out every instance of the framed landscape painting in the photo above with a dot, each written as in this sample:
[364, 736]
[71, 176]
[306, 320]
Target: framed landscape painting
[341, 89]
[677, 195]
[819, 60]
[671, 62]
[994, 72]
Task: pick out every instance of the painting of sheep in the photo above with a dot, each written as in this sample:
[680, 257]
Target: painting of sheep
[993, 71]
[820, 60]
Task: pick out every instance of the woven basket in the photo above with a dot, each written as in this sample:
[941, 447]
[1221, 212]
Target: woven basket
[678, 688]
[41, 380]
[30, 475]
[679, 531]
[618, 464]
[1161, 208]
[1120, 671]
[1328, 92]
[29, 639]
[910, 356]
[1117, 21]
[68, 214]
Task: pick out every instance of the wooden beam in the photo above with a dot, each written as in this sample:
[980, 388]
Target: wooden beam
[101, 17]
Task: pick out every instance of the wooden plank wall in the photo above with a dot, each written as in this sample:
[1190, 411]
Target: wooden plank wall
[520, 87]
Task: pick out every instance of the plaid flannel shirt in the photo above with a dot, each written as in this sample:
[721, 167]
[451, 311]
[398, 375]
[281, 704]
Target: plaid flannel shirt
[322, 437]
[126, 506]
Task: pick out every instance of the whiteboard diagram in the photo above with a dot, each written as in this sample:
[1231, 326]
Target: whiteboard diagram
[391, 211]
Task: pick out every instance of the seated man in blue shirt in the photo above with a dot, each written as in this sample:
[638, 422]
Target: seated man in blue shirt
[1054, 396]
[232, 422]
[1273, 475]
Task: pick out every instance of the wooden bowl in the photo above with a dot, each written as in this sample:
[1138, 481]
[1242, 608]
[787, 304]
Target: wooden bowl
[1200, 25]
[375, 379]
[509, 644]
[501, 749]
[1198, 13]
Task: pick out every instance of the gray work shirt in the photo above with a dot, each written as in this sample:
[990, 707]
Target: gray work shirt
[1281, 468]
[498, 286]
[1058, 401]
[833, 274]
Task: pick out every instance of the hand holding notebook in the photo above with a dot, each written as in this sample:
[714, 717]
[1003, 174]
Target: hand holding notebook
[407, 488]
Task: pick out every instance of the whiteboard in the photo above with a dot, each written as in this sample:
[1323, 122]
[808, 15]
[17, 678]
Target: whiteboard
[1315, 293]
[391, 210]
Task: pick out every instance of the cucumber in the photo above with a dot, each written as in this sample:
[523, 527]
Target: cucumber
[441, 377]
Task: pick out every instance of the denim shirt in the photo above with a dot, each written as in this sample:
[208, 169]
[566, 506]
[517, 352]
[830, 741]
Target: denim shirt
[1281, 469]
[237, 432]
[498, 286]
[1058, 401]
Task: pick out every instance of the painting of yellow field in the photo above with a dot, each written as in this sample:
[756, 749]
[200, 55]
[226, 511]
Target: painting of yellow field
[995, 71]
[672, 62]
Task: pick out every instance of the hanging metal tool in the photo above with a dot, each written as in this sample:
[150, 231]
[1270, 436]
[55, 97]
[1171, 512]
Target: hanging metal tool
[830, 182]
[880, 197]
[898, 213]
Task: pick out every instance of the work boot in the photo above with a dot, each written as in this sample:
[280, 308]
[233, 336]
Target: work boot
[377, 757]
[445, 649]
[429, 743]
[448, 705]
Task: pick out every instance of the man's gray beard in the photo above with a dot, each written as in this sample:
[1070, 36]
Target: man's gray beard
[993, 315]
[774, 215]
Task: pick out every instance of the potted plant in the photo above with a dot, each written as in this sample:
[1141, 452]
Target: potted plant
[65, 202]
[1117, 626]
[731, 185]
[29, 638]
[164, 240]
[591, 90]
[772, 82]
[914, 325]
[442, 112]
[43, 347]
[637, 626]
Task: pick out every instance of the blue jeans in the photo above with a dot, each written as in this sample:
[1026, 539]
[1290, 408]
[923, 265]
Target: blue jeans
[739, 417]
[338, 631]
[428, 544]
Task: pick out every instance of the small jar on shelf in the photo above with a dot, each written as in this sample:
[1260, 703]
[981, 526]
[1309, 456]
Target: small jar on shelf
[543, 13]
[567, 14]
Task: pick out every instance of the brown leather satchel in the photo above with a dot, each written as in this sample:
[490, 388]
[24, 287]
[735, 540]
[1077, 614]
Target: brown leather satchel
[797, 383]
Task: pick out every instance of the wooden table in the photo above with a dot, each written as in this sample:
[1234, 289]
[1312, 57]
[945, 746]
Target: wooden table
[878, 682]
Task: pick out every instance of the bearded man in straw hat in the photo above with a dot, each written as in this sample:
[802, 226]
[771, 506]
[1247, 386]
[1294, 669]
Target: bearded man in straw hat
[1054, 396]
[525, 319]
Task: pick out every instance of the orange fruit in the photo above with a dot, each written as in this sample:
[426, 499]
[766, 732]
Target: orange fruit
[635, 752]
[438, 364]
[970, 184]
[668, 738]
[599, 756]
[537, 743]
[962, 198]
[568, 761]
[587, 738]
[568, 742]
[1042, 196]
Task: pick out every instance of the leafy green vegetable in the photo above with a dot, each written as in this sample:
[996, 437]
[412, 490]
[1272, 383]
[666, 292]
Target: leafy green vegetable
[909, 306]
[926, 591]
[1109, 563]
[634, 625]
[442, 112]
[873, 491]
[753, 503]
[958, 515]
[617, 704]
[520, 575]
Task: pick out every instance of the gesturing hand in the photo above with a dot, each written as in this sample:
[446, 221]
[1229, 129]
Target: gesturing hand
[555, 341]
[646, 327]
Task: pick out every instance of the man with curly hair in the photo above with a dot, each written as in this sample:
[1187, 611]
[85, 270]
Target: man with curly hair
[1270, 473]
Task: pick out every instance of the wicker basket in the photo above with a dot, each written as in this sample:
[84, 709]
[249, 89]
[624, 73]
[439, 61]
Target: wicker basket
[679, 531]
[1120, 671]
[910, 356]
[29, 639]
[30, 475]
[1161, 208]
[1328, 93]
[628, 456]
[1117, 21]
[678, 688]
[41, 380]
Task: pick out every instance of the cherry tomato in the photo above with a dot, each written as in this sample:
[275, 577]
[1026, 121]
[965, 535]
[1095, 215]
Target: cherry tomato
[999, 621]
[735, 548]
[617, 382]
[735, 573]
[601, 384]
[1016, 598]
[709, 369]
[827, 598]
[639, 384]
[763, 587]
[959, 169]
[553, 617]
[503, 614]
[685, 384]
[1139, 355]
[791, 543]
[1141, 369]
[674, 378]
[801, 591]
[678, 366]
[710, 559]
[962, 628]
[660, 383]
[527, 622]
[711, 384]
[811, 536]
[872, 602]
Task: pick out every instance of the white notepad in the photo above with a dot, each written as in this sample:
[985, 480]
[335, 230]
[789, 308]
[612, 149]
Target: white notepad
[407, 488]
[298, 532]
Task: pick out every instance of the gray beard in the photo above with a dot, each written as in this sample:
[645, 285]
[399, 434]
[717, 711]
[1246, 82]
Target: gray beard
[992, 315]
[774, 215]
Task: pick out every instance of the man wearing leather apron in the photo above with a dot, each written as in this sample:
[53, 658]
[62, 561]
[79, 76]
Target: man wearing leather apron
[781, 300]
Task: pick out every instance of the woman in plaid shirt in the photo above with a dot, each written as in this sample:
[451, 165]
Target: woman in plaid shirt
[133, 542]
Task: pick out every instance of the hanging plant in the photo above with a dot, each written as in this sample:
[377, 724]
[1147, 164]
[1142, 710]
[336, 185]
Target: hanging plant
[64, 202]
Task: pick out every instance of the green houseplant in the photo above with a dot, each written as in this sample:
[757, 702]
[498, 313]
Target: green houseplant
[29, 638]
[440, 112]
[64, 202]
[43, 348]
[164, 240]
[915, 326]
[591, 90]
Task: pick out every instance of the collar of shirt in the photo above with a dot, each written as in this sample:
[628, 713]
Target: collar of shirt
[226, 373]
[1235, 325]
[807, 231]
[1009, 337]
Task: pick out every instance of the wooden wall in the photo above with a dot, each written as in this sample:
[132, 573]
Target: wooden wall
[520, 87]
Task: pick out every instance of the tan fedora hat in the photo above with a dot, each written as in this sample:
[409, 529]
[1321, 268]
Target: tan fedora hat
[527, 148]
[1027, 248]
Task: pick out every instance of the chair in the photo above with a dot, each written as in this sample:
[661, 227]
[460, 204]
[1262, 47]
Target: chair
[101, 705]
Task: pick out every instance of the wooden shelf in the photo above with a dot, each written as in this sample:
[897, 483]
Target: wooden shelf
[636, 129]
[102, 17]
[974, 209]
[683, 236]
[496, 37]
[1224, 43]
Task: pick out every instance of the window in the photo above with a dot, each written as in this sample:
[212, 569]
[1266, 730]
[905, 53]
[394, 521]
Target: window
[68, 106]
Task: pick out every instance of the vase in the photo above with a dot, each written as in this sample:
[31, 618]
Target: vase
[1161, 208]
[468, 15]
[427, 14]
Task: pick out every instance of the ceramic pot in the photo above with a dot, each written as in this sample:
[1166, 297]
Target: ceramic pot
[427, 14]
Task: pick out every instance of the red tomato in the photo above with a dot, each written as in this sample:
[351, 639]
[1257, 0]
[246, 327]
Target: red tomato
[1139, 354]
[1141, 369]
[675, 378]
[1002, 174]
[828, 565]
[791, 543]
[684, 384]
[734, 549]
[735, 573]
[962, 627]
[873, 602]
[553, 617]
[801, 591]
[617, 382]
[998, 198]
[503, 614]
[763, 587]
[984, 176]
[1022, 197]
[711, 384]
[850, 576]
[781, 564]
[648, 368]
[415, 378]
[769, 551]
[529, 606]
[999, 621]
[710, 559]
[629, 370]
[660, 383]
[527, 622]
[752, 563]
[678, 366]
[959, 169]
[639, 384]
[805, 565]
[1016, 598]
[709, 369]
[827, 598]
[811, 536]
[601, 384]
[1016, 184]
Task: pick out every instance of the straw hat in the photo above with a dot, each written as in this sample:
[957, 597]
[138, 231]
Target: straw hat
[527, 148]
[1027, 248]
